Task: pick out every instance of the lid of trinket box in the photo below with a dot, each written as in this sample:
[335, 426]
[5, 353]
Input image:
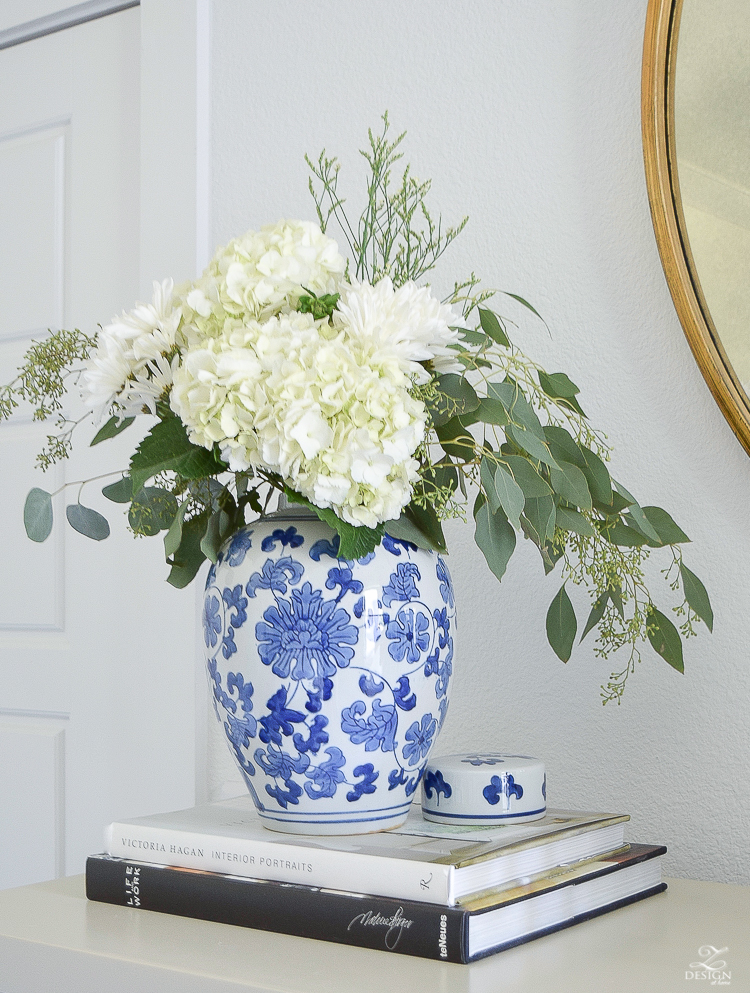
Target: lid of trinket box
[478, 788]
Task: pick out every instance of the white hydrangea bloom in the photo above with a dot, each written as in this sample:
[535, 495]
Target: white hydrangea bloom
[409, 323]
[331, 414]
[133, 363]
[263, 273]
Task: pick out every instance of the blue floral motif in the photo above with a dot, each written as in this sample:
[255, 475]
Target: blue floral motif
[326, 776]
[483, 760]
[403, 696]
[291, 795]
[433, 780]
[343, 578]
[409, 635]
[212, 623]
[369, 685]
[444, 624]
[321, 691]
[286, 537]
[275, 575]
[359, 607]
[325, 547]
[419, 739]
[278, 764]
[228, 646]
[401, 585]
[502, 785]
[412, 785]
[238, 547]
[396, 777]
[317, 736]
[305, 636]
[446, 587]
[234, 600]
[394, 545]
[239, 731]
[279, 719]
[366, 784]
[378, 731]
[443, 709]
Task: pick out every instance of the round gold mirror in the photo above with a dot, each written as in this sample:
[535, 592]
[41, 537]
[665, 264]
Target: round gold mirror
[696, 139]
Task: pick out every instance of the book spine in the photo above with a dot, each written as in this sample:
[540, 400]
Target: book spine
[353, 872]
[403, 926]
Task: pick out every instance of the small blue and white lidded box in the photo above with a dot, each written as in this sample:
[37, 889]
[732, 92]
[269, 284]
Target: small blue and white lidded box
[483, 788]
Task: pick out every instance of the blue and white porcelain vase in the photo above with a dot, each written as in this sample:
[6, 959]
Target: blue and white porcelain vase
[331, 677]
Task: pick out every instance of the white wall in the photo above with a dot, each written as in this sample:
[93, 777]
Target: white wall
[527, 118]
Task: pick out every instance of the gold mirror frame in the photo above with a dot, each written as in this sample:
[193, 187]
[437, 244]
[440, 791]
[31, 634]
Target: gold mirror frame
[657, 117]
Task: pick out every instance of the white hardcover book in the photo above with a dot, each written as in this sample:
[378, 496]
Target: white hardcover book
[424, 861]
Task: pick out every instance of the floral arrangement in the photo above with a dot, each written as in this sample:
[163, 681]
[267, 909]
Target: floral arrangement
[346, 385]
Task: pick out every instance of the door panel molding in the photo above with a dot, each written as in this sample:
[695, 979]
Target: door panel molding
[70, 17]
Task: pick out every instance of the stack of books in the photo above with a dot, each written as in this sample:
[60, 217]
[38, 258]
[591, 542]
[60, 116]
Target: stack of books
[449, 893]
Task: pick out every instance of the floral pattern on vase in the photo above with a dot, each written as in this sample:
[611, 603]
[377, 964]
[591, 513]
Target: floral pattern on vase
[331, 677]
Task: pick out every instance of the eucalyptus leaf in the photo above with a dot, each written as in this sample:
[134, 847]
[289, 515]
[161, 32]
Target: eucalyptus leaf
[489, 411]
[613, 507]
[111, 429]
[538, 521]
[530, 443]
[561, 625]
[153, 510]
[189, 556]
[615, 595]
[570, 483]
[572, 520]
[487, 478]
[668, 532]
[527, 477]
[211, 540]
[636, 518]
[696, 596]
[563, 445]
[456, 396]
[557, 386]
[492, 327]
[473, 337]
[597, 476]
[496, 539]
[87, 521]
[37, 514]
[665, 638]
[520, 411]
[121, 491]
[173, 537]
[510, 495]
[596, 614]
[455, 440]
[623, 535]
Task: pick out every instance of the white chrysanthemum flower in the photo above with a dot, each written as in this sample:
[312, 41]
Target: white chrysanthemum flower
[133, 363]
[261, 274]
[331, 414]
[409, 323]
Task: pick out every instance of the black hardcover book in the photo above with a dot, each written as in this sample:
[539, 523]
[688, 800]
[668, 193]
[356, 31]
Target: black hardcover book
[480, 927]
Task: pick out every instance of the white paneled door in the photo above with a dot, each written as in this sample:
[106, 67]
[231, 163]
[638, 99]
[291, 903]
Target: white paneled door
[96, 651]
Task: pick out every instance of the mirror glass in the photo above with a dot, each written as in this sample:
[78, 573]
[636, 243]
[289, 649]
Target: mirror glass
[712, 146]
